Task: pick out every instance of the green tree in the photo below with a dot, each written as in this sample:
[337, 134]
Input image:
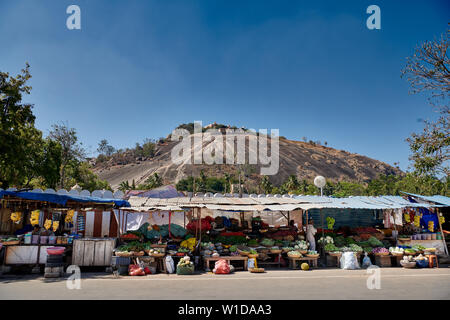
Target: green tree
[153, 182]
[266, 185]
[291, 183]
[16, 126]
[228, 178]
[428, 70]
[148, 148]
[124, 186]
[82, 175]
[104, 148]
[72, 153]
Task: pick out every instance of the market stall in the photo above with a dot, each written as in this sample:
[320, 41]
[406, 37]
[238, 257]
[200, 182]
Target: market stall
[35, 222]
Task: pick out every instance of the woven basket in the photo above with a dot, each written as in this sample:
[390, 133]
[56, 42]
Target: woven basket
[313, 255]
[157, 255]
[257, 270]
[397, 254]
[294, 256]
[409, 253]
[335, 254]
[409, 265]
[382, 254]
[123, 254]
[253, 255]
[11, 243]
[277, 251]
[243, 253]
[303, 251]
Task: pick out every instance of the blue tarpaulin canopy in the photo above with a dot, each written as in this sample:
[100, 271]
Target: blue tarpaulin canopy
[436, 199]
[62, 199]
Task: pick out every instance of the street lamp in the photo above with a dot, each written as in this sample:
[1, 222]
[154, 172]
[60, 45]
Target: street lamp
[320, 182]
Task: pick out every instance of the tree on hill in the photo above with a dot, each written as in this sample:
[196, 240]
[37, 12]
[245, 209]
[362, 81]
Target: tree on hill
[104, 148]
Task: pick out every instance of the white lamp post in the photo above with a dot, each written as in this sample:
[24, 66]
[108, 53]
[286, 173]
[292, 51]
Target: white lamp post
[320, 182]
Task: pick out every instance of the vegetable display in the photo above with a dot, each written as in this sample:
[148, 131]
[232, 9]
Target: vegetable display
[374, 242]
[330, 247]
[301, 245]
[267, 242]
[326, 240]
[380, 250]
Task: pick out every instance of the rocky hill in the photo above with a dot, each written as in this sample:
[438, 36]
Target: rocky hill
[305, 160]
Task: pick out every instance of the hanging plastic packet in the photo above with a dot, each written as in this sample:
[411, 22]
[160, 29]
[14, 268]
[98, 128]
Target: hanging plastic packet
[366, 261]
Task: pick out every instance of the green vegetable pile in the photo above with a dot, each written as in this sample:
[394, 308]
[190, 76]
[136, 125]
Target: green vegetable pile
[374, 242]
[330, 247]
[267, 242]
[231, 240]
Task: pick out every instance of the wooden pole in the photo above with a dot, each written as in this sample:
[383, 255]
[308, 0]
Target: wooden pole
[442, 232]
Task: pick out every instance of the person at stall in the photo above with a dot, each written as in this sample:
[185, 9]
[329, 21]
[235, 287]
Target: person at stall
[310, 232]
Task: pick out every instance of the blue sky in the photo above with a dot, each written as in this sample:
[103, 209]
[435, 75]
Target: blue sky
[139, 68]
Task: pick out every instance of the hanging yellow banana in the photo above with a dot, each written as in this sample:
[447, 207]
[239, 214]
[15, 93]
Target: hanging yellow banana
[16, 217]
[69, 216]
[417, 220]
[431, 226]
[34, 218]
[47, 224]
[407, 217]
[55, 225]
[441, 220]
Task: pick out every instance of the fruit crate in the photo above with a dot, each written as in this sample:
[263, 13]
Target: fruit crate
[120, 261]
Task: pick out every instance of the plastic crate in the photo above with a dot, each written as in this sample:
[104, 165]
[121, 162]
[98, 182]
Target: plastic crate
[120, 261]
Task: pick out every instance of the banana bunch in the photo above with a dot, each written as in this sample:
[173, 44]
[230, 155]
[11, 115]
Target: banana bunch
[189, 244]
[16, 217]
[442, 220]
[47, 224]
[34, 218]
[407, 217]
[55, 225]
[431, 226]
[417, 220]
[69, 216]
[330, 222]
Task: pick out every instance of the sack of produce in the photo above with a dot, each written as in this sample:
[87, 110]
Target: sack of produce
[185, 266]
[169, 264]
[349, 261]
[135, 270]
[221, 267]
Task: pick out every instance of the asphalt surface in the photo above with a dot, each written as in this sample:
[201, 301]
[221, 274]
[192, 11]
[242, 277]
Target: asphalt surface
[395, 283]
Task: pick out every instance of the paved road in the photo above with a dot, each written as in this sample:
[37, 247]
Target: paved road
[396, 283]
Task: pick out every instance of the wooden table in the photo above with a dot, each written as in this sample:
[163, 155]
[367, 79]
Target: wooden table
[293, 265]
[337, 258]
[207, 261]
[276, 263]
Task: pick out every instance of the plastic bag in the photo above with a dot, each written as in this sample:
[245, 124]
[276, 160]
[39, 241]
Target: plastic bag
[349, 261]
[366, 261]
[170, 267]
[251, 263]
[221, 267]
